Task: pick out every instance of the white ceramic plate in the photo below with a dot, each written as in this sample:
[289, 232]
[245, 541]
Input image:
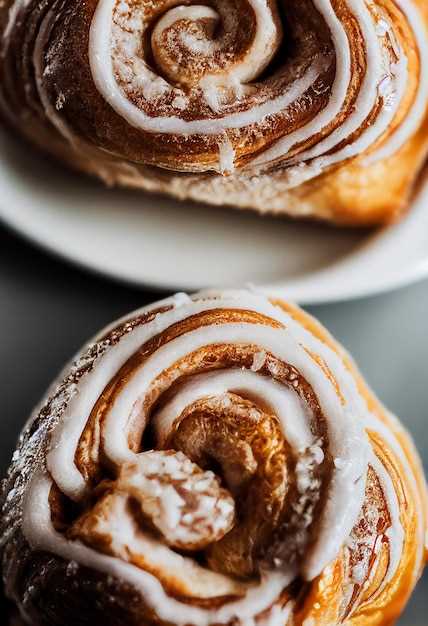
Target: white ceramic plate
[156, 242]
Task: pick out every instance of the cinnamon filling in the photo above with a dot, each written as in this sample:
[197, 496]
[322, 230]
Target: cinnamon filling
[216, 488]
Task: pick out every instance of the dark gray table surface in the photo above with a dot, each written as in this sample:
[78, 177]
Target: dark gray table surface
[48, 309]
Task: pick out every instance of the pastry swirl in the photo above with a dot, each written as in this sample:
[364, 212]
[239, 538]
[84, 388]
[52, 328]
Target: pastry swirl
[299, 107]
[213, 460]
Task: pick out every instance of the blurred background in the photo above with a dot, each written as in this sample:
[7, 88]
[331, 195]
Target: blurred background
[48, 309]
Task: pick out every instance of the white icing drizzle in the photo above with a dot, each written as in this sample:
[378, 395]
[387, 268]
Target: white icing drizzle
[377, 70]
[340, 88]
[390, 435]
[418, 111]
[385, 79]
[382, 78]
[37, 526]
[282, 402]
[226, 156]
[119, 69]
[344, 432]
[347, 417]
[395, 532]
[105, 80]
[365, 549]
[257, 57]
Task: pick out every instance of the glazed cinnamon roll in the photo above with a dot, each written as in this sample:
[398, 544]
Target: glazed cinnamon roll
[315, 108]
[213, 460]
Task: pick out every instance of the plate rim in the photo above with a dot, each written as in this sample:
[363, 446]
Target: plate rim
[304, 294]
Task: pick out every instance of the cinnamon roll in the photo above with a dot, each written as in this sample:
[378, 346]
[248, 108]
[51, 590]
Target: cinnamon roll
[213, 460]
[312, 108]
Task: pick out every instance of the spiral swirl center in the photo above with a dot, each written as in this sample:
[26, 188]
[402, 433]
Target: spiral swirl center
[196, 42]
